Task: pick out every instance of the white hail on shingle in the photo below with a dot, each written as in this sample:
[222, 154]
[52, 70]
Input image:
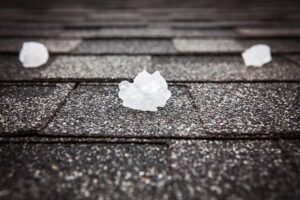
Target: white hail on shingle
[257, 55]
[33, 54]
[146, 93]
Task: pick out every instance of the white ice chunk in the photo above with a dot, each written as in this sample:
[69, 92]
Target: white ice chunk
[257, 55]
[33, 54]
[146, 93]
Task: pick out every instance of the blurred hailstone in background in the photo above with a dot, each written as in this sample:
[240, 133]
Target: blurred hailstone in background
[257, 55]
[33, 54]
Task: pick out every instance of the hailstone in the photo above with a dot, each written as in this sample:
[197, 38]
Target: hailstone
[257, 55]
[146, 93]
[33, 54]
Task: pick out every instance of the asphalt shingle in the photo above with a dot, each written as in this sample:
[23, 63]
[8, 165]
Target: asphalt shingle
[233, 170]
[27, 108]
[158, 32]
[223, 68]
[11, 69]
[53, 45]
[237, 109]
[119, 33]
[82, 171]
[75, 68]
[126, 46]
[269, 32]
[173, 68]
[184, 169]
[99, 24]
[282, 45]
[223, 24]
[97, 67]
[95, 110]
[13, 33]
[295, 58]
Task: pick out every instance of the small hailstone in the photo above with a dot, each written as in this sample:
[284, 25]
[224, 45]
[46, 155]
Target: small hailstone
[146, 93]
[257, 55]
[33, 54]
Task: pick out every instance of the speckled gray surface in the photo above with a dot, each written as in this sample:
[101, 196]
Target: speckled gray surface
[256, 108]
[97, 67]
[292, 148]
[128, 46]
[72, 139]
[207, 45]
[75, 68]
[225, 24]
[184, 169]
[234, 170]
[53, 45]
[97, 111]
[11, 69]
[222, 68]
[29, 33]
[155, 32]
[295, 58]
[200, 45]
[119, 33]
[82, 171]
[28, 108]
[173, 68]
[233, 110]
[269, 32]
[100, 24]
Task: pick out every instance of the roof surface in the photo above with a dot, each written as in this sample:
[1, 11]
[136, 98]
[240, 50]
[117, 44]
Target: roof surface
[228, 131]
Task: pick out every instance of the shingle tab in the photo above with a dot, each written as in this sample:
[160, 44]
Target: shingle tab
[75, 68]
[206, 33]
[126, 46]
[295, 58]
[269, 32]
[97, 111]
[158, 32]
[224, 169]
[234, 45]
[83, 171]
[26, 108]
[11, 69]
[223, 24]
[53, 45]
[222, 68]
[12, 33]
[207, 45]
[99, 24]
[120, 33]
[237, 109]
[96, 67]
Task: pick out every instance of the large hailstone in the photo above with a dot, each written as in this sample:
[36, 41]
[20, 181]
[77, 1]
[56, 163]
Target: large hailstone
[257, 55]
[146, 93]
[33, 54]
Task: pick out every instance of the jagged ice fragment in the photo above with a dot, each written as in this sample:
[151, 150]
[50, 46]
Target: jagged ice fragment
[33, 54]
[257, 55]
[146, 93]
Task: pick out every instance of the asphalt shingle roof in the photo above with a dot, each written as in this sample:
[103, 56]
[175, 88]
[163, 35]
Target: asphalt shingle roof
[227, 132]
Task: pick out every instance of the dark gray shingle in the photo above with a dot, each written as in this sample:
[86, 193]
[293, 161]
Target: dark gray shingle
[97, 111]
[223, 68]
[27, 108]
